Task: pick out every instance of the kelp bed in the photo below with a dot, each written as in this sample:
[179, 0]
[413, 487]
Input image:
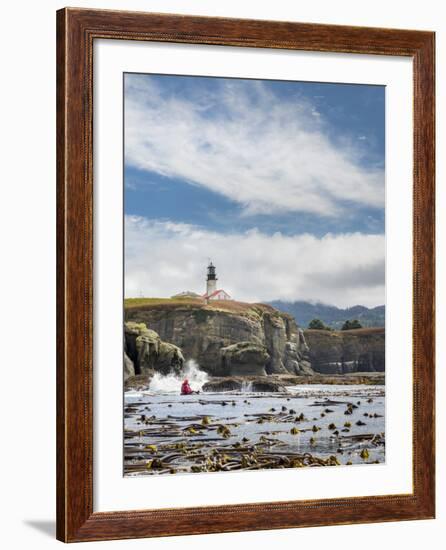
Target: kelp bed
[280, 437]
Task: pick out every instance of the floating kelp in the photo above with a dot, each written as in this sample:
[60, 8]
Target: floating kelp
[364, 454]
[267, 435]
[232, 457]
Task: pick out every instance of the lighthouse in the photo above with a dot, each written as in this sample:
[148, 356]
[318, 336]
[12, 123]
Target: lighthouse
[212, 293]
[211, 281]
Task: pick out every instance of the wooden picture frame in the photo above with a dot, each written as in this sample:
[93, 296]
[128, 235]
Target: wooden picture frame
[76, 31]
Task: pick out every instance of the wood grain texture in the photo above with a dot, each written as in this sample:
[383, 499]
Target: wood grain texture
[76, 31]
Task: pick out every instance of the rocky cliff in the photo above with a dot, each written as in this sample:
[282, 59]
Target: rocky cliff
[341, 352]
[226, 338]
[145, 352]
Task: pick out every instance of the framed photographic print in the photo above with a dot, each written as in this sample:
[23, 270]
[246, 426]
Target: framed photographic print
[245, 275]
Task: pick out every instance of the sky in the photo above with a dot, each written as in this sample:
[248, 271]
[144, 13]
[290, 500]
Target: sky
[280, 184]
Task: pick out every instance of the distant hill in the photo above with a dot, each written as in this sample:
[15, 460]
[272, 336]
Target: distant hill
[332, 316]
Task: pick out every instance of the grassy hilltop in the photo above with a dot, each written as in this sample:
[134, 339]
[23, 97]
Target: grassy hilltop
[228, 306]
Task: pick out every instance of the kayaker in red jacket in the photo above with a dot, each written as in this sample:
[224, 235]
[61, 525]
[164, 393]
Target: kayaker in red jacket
[185, 388]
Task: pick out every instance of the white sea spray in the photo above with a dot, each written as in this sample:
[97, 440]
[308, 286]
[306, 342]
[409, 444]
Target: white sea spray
[171, 383]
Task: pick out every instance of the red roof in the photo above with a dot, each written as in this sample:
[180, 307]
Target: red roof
[215, 293]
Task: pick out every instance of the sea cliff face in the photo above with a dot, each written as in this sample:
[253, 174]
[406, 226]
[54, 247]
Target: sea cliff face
[145, 352]
[341, 352]
[228, 338]
[238, 339]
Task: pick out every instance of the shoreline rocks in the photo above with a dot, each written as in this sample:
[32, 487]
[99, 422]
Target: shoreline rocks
[256, 384]
[244, 383]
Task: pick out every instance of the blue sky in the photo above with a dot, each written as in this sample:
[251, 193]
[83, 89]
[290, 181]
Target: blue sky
[215, 162]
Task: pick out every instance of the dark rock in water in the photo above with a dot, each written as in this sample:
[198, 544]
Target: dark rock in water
[267, 386]
[348, 351]
[222, 384]
[138, 382]
[260, 384]
[244, 358]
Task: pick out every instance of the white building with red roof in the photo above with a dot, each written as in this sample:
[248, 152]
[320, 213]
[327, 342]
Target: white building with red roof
[212, 292]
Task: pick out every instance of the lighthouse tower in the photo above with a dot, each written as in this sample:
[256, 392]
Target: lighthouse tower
[211, 287]
[211, 281]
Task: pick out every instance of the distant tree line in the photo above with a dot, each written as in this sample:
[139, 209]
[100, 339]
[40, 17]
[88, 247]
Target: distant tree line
[332, 316]
[317, 324]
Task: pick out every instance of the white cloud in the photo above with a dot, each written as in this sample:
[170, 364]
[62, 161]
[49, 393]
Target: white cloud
[269, 155]
[163, 258]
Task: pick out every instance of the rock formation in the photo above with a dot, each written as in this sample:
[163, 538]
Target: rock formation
[244, 359]
[145, 352]
[204, 332]
[129, 367]
[260, 384]
[341, 352]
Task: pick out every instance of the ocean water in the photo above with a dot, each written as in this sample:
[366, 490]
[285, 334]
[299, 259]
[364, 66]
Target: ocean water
[161, 417]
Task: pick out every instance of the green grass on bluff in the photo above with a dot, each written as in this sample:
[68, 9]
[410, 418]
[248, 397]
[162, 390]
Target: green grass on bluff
[229, 306]
[140, 302]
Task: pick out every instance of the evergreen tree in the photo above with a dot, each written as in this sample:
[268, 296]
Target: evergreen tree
[351, 325]
[317, 324]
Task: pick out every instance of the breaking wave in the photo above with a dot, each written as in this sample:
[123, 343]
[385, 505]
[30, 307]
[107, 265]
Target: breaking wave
[171, 383]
